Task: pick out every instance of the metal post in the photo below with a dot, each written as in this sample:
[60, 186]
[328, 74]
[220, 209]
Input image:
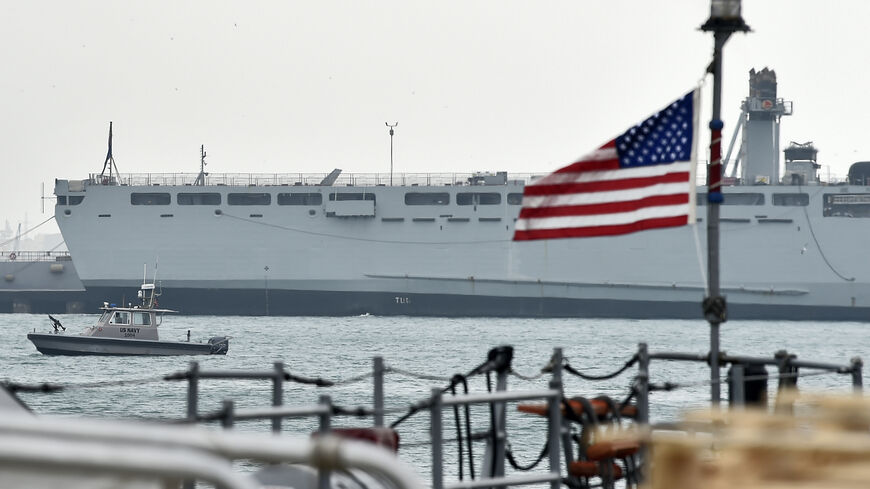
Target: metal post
[737, 385]
[278, 393]
[192, 404]
[325, 419]
[192, 391]
[266, 286]
[787, 379]
[564, 423]
[227, 420]
[436, 436]
[323, 475]
[642, 384]
[391, 126]
[379, 390]
[556, 426]
[499, 449]
[724, 20]
[857, 369]
[714, 198]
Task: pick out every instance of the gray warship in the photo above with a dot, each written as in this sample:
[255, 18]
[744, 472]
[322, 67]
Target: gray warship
[441, 244]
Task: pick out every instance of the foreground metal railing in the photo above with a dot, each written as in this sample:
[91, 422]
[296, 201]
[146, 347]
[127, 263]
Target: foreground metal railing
[747, 381]
[44, 445]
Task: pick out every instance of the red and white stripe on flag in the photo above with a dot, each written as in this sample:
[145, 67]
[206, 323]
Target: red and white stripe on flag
[607, 193]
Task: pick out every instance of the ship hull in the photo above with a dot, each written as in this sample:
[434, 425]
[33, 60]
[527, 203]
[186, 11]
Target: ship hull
[275, 302]
[45, 285]
[786, 252]
[58, 344]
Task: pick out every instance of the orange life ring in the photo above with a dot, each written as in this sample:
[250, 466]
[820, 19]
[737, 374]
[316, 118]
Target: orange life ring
[12, 256]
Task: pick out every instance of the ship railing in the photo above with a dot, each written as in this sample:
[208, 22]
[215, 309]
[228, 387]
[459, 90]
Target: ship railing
[826, 177]
[357, 179]
[497, 477]
[324, 411]
[308, 179]
[787, 365]
[32, 256]
[134, 452]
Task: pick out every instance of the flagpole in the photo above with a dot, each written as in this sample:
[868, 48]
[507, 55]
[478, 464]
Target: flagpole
[724, 20]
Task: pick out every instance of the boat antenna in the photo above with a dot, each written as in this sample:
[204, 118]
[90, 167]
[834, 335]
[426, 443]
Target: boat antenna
[154, 293]
[725, 19]
[109, 164]
[200, 179]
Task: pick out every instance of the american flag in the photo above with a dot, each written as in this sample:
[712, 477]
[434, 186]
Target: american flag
[643, 179]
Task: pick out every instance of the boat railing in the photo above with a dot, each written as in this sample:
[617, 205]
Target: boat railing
[49, 446]
[308, 179]
[32, 256]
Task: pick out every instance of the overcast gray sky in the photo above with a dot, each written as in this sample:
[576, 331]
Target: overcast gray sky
[299, 86]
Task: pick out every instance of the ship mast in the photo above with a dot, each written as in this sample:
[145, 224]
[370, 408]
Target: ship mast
[109, 164]
[725, 19]
[200, 179]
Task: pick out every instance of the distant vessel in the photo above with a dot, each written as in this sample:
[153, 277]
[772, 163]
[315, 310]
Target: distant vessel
[130, 330]
[40, 282]
[792, 246]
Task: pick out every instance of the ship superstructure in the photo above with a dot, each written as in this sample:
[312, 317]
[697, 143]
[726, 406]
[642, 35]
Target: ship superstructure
[441, 244]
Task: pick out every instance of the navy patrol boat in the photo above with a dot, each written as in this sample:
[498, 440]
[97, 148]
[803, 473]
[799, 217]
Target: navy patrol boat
[130, 330]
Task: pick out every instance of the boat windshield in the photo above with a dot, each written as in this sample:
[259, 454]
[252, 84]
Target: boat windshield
[142, 318]
[121, 317]
[105, 317]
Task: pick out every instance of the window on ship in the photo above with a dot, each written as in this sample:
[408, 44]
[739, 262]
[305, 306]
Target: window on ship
[300, 199]
[75, 199]
[351, 196]
[150, 198]
[515, 199]
[199, 198]
[142, 318]
[736, 198]
[249, 199]
[791, 199]
[427, 198]
[478, 198]
[846, 205]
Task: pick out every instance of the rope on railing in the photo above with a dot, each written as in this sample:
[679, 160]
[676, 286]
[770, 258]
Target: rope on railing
[568, 368]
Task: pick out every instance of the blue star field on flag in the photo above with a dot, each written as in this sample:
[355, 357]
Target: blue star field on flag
[664, 138]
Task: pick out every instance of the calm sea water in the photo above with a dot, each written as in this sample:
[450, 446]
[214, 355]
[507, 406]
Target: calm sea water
[342, 348]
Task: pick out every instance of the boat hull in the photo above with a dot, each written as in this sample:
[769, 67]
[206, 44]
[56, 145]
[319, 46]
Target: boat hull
[58, 344]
